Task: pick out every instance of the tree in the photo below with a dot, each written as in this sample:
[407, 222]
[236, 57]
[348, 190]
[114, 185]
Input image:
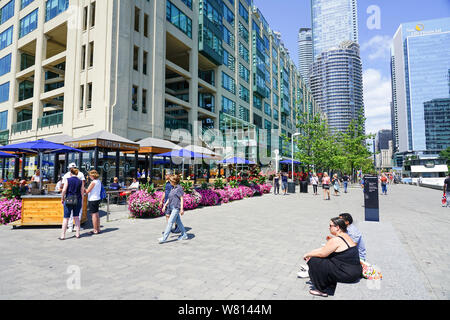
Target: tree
[445, 154]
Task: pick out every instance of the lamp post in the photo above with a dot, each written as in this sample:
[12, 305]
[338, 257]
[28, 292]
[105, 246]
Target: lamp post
[292, 154]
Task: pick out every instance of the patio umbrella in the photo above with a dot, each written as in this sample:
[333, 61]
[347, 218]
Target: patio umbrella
[40, 147]
[236, 160]
[183, 153]
[6, 155]
[290, 162]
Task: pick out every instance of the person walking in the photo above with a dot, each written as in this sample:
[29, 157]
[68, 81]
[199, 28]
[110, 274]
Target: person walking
[94, 198]
[276, 183]
[175, 203]
[346, 179]
[72, 201]
[337, 261]
[326, 186]
[384, 181]
[167, 189]
[284, 182]
[447, 189]
[315, 183]
[80, 176]
[336, 184]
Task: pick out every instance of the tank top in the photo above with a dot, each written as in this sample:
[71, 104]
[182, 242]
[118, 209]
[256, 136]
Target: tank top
[326, 180]
[74, 187]
[94, 195]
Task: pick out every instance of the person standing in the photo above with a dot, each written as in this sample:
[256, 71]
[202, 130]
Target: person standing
[80, 176]
[276, 183]
[315, 183]
[384, 181]
[72, 200]
[326, 186]
[175, 203]
[94, 198]
[284, 181]
[336, 184]
[167, 189]
[447, 189]
[346, 179]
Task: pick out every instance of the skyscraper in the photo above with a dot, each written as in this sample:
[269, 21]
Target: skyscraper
[336, 84]
[420, 70]
[333, 21]
[305, 52]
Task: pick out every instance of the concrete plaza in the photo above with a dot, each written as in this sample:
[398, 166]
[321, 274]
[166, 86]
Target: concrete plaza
[249, 249]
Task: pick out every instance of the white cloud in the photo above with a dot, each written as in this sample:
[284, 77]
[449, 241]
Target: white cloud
[377, 100]
[378, 47]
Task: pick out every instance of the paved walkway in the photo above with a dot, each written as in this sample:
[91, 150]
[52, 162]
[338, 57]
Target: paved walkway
[249, 249]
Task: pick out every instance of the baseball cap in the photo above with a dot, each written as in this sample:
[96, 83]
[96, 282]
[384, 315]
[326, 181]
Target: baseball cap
[72, 165]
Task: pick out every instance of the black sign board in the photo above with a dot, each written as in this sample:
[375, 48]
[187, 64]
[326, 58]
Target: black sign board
[371, 203]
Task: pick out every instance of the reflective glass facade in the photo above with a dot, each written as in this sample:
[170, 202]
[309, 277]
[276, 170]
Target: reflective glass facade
[333, 22]
[437, 124]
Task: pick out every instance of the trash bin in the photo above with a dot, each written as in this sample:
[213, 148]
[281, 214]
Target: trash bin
[304, 187]
[291, 187]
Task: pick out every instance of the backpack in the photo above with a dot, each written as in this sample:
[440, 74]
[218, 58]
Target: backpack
[102, 193]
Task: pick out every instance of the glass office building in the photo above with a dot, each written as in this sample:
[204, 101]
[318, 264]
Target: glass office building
[333, 22]
[305, 52]
[422, 61]
[437, 124]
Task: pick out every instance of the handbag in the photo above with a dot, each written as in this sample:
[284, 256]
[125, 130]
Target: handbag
[71, 200]
[369, 271]
[444, 199]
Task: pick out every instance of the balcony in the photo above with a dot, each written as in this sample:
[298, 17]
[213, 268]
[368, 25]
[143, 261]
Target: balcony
[21, 126]
[4, 137]
[51, 120]
[174, 124]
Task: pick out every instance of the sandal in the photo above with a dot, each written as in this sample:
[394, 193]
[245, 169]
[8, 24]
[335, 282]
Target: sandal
[93, 232]
[61, 238]
[318, 293]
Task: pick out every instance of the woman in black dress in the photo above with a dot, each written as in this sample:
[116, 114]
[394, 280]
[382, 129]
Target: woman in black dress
[337, 261]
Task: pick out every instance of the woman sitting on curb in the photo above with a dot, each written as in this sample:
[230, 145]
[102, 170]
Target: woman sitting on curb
[337, 261]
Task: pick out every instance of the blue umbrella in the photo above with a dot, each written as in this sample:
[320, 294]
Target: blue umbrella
[290, 162]
[6, 155]
[236, 160]
[182, 153]
[39, 146]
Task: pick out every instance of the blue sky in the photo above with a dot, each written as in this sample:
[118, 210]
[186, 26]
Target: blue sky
[287, 16]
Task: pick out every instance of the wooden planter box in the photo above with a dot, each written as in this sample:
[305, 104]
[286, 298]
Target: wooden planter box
[44, 211]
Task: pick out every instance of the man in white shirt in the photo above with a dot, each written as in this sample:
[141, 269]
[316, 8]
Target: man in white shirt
[64, 181]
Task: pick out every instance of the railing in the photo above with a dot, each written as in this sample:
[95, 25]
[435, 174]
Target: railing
[22, 126]
[52, 120]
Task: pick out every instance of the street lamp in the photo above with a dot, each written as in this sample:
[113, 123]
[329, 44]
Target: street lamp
[292, 154]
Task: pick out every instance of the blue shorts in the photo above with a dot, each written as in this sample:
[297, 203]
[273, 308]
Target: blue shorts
[76, 210]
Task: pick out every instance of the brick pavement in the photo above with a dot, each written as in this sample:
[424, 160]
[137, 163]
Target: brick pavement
[249, 249]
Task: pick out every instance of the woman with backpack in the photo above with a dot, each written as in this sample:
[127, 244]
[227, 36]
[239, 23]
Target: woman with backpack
[94, 192]
[336, 184]
[71, 198]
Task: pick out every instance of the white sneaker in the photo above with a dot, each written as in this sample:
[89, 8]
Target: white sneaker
[303, 274]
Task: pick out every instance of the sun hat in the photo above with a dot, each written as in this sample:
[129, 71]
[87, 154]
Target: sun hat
[72, 165]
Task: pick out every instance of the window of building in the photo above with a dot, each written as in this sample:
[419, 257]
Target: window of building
[91, 54]
[5, 64]
[3, 120]
[137, 15]
[228, 83]
[92, 14]
[89, 96]
[7, 12]
[85, 18]
[136, 58]
[83, 57]
[146, 25]
[228, 37]
[178, 19]
[244, 73]
[244, 93]
[244, 113]
[243, 12]
[257, 102]
[6, 38]
[26, 90]
[144, 101]
[4, 92]
[25, 3]
[144, 63]
[229, 60]
[228, 14]
[55, 7]
[243, 32]
[243, 52]
[228, 106]
[28, 24]
[82, 97]
[134, 98]
[267, 109]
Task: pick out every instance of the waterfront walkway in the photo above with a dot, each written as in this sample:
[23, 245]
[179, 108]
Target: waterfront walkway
[249, 249]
